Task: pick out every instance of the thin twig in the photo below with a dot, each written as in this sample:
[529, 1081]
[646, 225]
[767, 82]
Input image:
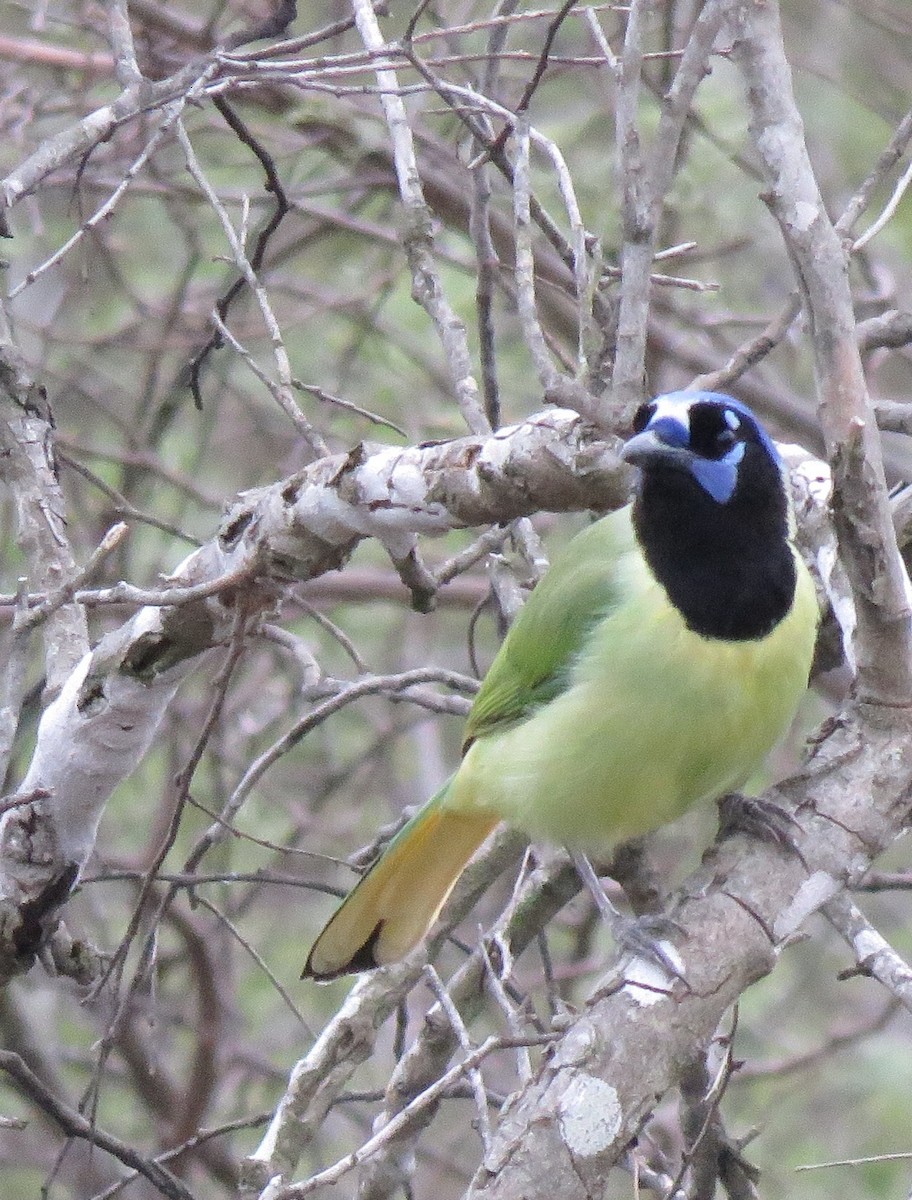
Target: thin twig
[172, 114]
[281, 207]
[283, 392]
[258, 959]
[418, 238]
[875, 956]
[476, 1079]
[889, 210]
[75, 1125]
[64, 594]
[402, 1119]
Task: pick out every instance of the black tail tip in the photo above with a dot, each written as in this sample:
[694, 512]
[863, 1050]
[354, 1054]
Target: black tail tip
[362, 960]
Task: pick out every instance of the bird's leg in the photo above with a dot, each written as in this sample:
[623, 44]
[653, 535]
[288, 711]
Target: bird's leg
[635, 935]
[757, 818]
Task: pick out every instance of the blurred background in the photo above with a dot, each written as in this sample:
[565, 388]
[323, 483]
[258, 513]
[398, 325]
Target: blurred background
[160, 425]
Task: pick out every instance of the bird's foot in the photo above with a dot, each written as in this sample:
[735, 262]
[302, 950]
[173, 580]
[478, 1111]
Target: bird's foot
[647, 937]
[641, 937]
[757, 818]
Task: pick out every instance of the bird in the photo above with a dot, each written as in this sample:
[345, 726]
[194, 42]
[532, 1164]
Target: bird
[658, 661]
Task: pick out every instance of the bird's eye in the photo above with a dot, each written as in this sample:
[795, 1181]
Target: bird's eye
[643, 416]
[714, 430]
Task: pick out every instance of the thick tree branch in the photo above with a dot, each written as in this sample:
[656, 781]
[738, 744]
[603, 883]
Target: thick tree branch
[349, 1038]
[307, 749]
[27, 467]
[861, 503]
[99, 727]
[561, 1134]
[646, 176]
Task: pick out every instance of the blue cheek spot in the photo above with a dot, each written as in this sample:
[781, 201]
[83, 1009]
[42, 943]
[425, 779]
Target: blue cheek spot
[719, 477]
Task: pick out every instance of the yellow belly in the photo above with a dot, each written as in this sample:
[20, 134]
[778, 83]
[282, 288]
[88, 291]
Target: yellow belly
[655, 718]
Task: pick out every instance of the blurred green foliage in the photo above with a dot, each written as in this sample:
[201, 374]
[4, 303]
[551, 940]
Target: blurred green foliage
[111, 330]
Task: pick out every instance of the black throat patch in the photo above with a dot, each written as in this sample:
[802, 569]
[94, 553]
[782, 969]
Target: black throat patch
[727, 568]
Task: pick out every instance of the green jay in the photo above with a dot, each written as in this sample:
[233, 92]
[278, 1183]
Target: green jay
[656, 664]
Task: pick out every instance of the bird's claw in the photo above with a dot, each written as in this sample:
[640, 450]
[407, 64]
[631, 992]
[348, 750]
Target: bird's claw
[759, 819]
[642, 937]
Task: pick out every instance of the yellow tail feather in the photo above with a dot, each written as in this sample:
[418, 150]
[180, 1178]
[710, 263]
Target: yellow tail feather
[394, 905]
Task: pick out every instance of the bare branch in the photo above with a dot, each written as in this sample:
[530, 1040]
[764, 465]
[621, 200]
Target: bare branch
[75, 1125]
[110, 707]
[873, 952]
[28, 468]
[418, 240]
[629, 1045]
[889, 210]
[401, 1121]
[861, 504]
[125, 65]
[283, 392]
[646, 178]
[82, 137]
[349, 1038]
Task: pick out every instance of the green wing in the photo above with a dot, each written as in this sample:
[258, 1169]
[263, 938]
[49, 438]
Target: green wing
[581, 586]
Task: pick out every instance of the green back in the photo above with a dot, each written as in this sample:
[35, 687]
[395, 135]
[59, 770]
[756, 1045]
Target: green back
[531, 667]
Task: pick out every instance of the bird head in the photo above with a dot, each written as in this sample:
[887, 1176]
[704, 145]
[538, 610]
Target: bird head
[711, 514]
[713, 439]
